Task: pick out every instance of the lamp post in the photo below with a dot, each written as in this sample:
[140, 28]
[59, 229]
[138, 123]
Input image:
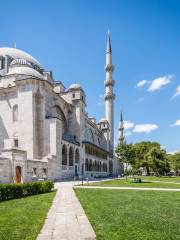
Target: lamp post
[82, 170]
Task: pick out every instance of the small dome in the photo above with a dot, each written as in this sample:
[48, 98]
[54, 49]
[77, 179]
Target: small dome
[103, 120]
[75, 86]
[16, 53]
[23, 70]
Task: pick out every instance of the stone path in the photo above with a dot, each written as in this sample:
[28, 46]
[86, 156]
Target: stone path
[66, 219]
[131, 188]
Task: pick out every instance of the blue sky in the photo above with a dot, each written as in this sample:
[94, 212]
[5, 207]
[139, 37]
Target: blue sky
[69, 38]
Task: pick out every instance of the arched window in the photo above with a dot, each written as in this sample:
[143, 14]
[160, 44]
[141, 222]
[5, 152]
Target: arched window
[64, 155]
[71, 153]
[77, 156]
[15, 113]
[90, 165]
[86, 165]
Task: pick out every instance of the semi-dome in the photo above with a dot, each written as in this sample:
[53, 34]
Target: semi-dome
[16, 53]
[75, 86]
[23, 70]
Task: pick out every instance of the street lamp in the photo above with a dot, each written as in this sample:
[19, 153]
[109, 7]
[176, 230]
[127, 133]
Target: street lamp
[82, 170]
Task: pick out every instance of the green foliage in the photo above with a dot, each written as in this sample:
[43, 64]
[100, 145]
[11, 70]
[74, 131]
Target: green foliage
[175, 161]
[125, 153]
[10, 191]
[146, 155]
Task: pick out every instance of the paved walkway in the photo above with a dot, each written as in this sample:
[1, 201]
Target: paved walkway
[131, 188]
[66, 219]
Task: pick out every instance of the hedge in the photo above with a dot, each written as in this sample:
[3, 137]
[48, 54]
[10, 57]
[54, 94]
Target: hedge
[11, 191]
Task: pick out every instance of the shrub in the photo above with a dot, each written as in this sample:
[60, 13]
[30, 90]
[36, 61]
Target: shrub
[10, 191]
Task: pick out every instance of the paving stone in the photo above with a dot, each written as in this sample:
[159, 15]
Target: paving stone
[66, 219]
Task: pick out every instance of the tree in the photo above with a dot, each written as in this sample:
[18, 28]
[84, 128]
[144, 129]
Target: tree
[125, 154]
[142, 157]
[158, 160]
[175, 161]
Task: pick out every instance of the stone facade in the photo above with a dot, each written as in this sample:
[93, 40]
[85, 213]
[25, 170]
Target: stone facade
[45, 132]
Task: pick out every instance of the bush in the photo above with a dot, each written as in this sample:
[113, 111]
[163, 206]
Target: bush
[10, 191]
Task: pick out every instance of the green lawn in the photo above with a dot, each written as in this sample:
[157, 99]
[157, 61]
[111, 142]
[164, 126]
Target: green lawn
[129, 183]
[132, 215]
[23, 218]
[162, 179]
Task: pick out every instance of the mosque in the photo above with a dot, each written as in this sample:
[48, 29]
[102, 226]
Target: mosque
[45, 131]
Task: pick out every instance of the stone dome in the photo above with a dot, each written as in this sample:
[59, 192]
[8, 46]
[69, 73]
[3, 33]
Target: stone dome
[20, 61]
[103, 120]
[25, 70]
[18, 54]
[75, 86]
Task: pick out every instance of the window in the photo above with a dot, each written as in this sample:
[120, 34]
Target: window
[15, 113]
[2, 63]
[34, 172]
[73, 95]
[44, 172]
[16, 143]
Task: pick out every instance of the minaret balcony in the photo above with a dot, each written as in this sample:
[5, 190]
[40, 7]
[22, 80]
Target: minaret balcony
[109, 96]
[109, 68]
[109, 82]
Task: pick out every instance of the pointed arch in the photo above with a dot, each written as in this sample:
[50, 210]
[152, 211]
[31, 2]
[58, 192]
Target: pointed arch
[77, 156]
[71, 156]
[64, 155]
[15, 113]
[61, 116]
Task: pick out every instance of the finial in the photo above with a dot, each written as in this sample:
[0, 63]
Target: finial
[14, 45]
[121, 117]
[108, 49]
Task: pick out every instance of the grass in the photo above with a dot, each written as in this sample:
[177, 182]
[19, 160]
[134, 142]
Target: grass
[162, 179]
[22, 219]
[127, 214]
[128, 183]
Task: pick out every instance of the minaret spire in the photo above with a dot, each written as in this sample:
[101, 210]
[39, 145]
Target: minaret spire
[109, 95]
[121, 129]
[108, 48]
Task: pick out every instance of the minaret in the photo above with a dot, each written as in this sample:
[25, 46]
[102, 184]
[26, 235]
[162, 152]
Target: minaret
[121, 130]
[109, 95]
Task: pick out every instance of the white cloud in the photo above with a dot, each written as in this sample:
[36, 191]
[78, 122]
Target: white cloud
[100, 100]
[177, 92]
[177, 123]
[157, 83]
[173, 152]
[128, 133]
[145, 128]
[141, 83]
[128, 124]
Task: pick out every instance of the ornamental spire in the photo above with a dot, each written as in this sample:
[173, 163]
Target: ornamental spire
[108, 48]
[121, 129]
[121, 117]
